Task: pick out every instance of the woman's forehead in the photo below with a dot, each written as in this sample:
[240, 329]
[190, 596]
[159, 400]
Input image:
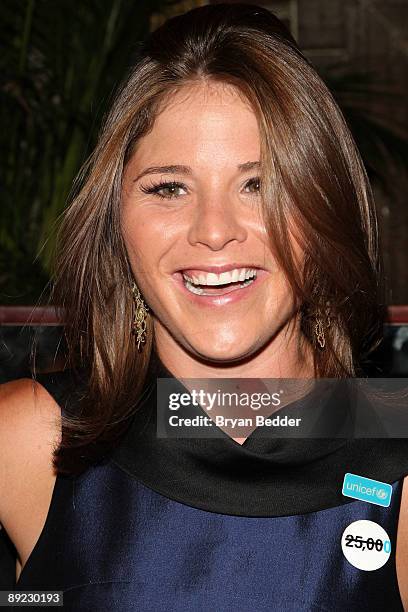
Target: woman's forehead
[207, 119]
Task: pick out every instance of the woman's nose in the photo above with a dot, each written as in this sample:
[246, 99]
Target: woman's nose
[216, 222]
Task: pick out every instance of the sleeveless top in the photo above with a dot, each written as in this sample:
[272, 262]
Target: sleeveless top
[198, 524]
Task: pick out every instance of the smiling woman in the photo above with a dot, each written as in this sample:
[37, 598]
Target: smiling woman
[198, 244]
[223, 228]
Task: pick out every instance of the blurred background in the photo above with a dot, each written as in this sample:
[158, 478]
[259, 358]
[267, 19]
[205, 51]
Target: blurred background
[60, 63]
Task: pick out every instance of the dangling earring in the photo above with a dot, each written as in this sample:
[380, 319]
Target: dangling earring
[319, 331]
[319, 327]
[139, 317]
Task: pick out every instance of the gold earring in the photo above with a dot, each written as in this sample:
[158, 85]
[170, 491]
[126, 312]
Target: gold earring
[319, 327]
[319, 331]
[139, 317]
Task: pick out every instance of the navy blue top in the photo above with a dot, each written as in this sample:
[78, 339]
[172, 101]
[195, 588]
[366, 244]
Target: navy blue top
[111, 543]
[190, 525]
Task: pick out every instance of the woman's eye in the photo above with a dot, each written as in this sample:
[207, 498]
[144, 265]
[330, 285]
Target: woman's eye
[253, 185]
[165, 190]
[174, 189]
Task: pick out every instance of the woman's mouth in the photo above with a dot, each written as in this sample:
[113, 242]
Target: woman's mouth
[211, 284]
[224, 286]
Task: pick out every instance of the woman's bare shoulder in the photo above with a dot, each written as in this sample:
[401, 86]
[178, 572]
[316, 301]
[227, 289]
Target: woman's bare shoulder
[30, 429]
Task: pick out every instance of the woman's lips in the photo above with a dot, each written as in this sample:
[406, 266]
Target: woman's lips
[227, 295]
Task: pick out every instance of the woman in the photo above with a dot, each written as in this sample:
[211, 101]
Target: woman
[225, 228]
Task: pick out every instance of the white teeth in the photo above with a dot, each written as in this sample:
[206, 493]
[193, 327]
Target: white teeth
[232, 276]
[200, 291]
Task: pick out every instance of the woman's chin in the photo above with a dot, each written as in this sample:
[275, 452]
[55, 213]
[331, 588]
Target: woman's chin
[222, 353]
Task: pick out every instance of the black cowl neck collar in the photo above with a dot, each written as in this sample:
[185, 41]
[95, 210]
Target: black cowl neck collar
[264, 477]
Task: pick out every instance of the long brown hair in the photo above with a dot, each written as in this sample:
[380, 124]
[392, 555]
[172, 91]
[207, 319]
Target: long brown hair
[311, 172]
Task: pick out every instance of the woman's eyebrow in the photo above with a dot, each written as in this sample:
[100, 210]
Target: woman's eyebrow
[249, 166]
[187, 170]
[164, 170]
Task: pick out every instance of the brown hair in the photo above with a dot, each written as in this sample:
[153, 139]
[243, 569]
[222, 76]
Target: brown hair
[311, 172]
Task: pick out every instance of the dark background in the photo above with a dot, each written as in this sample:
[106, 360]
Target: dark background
[60, 61]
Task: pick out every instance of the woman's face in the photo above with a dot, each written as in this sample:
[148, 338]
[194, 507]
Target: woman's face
[191, 219]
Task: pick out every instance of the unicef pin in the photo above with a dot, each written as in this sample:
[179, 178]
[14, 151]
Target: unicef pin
[367, 489]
